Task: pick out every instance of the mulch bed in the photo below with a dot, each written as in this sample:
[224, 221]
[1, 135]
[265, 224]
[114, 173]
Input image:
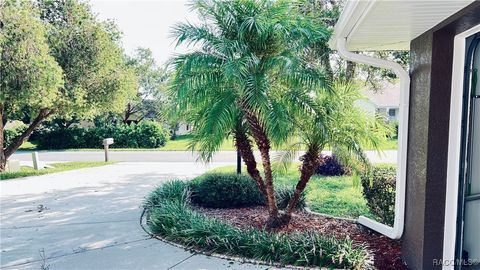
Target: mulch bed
[387, 252]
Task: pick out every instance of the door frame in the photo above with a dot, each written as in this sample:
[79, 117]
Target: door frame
[455, 147]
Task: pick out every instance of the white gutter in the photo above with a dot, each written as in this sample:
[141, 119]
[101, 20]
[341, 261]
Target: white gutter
[396, 231]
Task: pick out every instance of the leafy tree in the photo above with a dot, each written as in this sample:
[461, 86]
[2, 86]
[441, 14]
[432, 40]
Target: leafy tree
[95, 76]
[150, 100]
[319, 53]
[248, 72]
[31, 78]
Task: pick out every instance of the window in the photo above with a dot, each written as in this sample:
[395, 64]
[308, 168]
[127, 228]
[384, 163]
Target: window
[392, 112]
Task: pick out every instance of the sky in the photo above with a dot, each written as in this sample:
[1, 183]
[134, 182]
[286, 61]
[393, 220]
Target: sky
[146, 23]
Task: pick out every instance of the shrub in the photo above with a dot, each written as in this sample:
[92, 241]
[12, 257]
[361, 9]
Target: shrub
[223, 190]
[394, 130]
[176, 221]
[283, 195]
[331, 166]
[379, 191]
[175, 190]
[10, 133]
[146, 134]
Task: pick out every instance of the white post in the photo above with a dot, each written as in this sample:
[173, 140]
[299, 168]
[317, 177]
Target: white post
[106, 143]
[36, 161]
[105, 146]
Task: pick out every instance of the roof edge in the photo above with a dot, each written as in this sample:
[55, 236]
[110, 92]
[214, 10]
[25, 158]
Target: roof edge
[352, 14]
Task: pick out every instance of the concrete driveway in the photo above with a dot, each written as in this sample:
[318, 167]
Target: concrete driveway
[89, 219]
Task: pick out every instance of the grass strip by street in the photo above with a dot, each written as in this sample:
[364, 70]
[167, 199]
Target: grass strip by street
[169, 215]
[56, 167]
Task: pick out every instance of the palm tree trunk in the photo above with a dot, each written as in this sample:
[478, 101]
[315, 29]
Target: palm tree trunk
[263, 144]
[309, 163]
[244, 146]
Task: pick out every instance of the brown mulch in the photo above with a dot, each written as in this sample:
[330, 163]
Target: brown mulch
[387, 252]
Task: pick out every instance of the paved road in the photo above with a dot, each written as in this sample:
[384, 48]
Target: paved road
[89, 219]
[388, 156]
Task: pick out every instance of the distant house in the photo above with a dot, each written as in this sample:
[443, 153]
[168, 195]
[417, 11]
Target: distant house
[384, 101]
[183, 129]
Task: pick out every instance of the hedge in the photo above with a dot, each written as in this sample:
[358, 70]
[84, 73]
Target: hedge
[146, 134]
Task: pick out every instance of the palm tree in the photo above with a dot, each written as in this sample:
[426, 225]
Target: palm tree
[248, 65]
[336, 123]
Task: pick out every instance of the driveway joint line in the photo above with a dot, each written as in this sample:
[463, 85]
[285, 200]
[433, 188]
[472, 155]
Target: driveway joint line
[182, 261]
[74, 253]
[66, 224]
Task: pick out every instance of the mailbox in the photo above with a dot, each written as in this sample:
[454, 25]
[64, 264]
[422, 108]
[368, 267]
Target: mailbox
[107, 141]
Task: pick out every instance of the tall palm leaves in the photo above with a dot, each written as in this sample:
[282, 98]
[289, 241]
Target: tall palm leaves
[337, 123]
[247, 67]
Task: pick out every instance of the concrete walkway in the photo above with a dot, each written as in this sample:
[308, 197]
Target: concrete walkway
[89, 219]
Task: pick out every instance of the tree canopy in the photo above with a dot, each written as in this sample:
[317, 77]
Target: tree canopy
[151, 99]
[30, 76]
[57, 58]
[97, 78]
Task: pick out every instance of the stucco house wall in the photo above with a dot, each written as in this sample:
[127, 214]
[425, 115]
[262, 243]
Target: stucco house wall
[430, 91]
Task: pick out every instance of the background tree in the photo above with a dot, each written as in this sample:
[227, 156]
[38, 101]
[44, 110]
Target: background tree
[96, 78]
[30, 77]
[249, 67]
[319, 53]
[151, 100]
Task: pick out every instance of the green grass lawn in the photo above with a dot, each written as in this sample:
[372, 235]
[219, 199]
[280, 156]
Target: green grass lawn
[339, 196]
[181, 143]
[27, 146]
[57, 167]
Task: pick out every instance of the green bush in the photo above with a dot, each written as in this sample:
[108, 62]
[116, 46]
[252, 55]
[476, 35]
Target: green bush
[394, 130]
[176, 221]
[146, 134]
[379, 191]
[10, 133]
[283, 195]
[331, 166]
[224, 190]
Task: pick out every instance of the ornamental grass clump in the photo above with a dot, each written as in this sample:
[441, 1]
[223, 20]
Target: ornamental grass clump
[173, 218]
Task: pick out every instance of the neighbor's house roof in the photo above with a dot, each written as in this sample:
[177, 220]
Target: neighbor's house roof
[390, 25]
[388, 96]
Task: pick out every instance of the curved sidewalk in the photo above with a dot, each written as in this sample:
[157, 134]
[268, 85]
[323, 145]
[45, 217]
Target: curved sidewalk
[89, 219]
